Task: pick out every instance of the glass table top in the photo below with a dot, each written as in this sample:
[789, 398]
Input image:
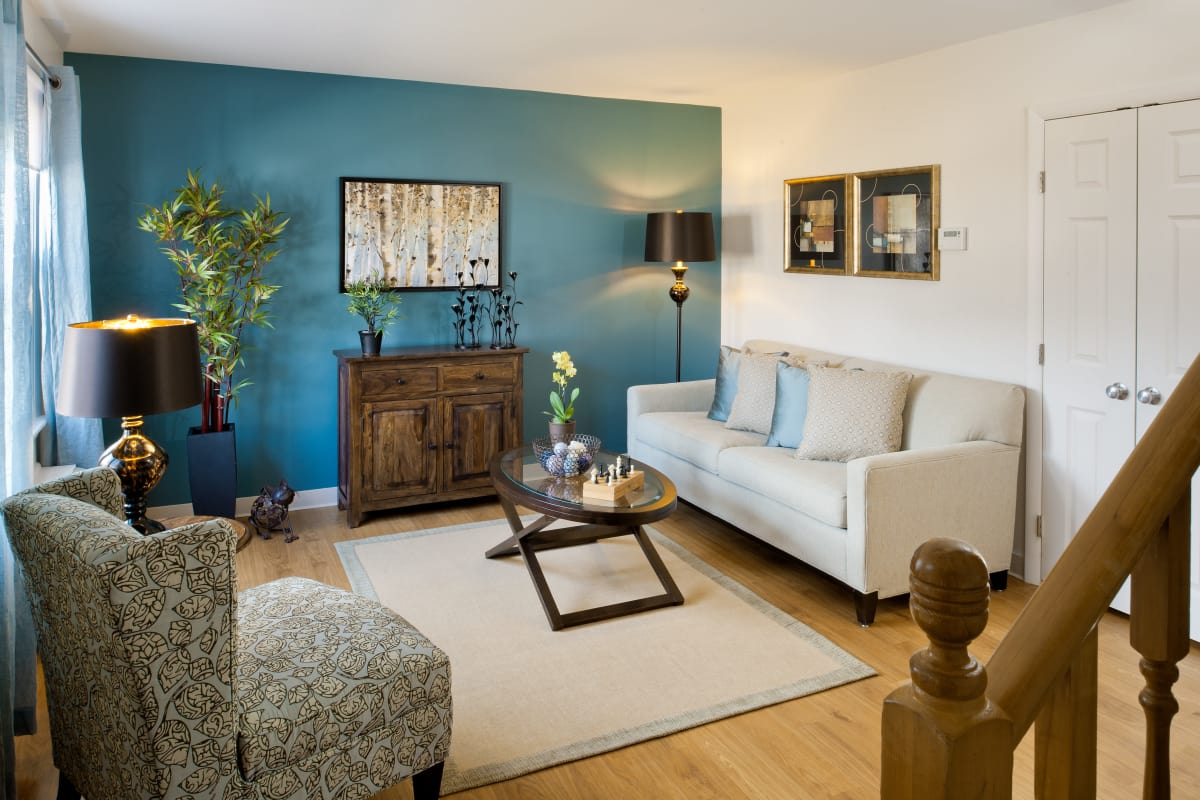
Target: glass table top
[521, 467]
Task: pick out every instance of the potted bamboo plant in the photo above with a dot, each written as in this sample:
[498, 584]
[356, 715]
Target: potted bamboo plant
[373, 299]
[219, 254]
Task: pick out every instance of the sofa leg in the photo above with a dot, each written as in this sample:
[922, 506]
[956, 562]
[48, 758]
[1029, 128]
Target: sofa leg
[864, 607]
[66, 789]
[999, 580]
[427, 784]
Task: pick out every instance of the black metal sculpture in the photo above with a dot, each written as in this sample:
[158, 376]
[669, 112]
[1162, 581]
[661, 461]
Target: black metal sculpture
[270, 511]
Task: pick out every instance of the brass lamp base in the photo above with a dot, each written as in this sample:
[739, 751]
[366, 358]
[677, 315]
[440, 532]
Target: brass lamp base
[140, 464]
[679, 292]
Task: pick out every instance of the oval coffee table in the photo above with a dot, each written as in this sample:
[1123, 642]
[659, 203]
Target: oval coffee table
[520, 479]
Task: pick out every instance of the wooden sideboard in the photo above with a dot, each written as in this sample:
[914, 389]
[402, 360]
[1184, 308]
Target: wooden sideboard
[423, 424]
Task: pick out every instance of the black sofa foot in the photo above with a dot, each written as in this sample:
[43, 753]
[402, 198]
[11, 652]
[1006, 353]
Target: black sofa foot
[999, 580]
[864, 607]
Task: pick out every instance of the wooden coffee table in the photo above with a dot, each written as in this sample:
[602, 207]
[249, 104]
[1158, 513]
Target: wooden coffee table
[520, 479]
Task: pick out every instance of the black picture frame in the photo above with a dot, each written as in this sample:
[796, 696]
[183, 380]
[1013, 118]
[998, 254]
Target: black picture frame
[421, 235]
[814, 211]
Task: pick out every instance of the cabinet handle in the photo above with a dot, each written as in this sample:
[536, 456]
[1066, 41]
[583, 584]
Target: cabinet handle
[433, 445]
[401, 381]
[449, 445]
[479, 376]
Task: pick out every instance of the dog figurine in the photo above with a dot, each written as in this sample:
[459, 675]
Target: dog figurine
[270, 511]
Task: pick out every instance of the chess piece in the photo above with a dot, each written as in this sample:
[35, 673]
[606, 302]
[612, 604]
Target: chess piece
[595, 475]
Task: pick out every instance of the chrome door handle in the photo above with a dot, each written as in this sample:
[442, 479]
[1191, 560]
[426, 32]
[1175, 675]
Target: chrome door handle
[1117, 391]
[1150, 396]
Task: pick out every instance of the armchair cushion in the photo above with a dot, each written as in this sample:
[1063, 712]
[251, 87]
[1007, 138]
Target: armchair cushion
[318, 667]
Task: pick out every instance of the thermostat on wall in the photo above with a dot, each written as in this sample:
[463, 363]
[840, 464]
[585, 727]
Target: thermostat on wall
[952, 238]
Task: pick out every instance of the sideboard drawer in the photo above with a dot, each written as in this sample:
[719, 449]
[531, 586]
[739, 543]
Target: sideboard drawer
[383, 382]
[484, 375]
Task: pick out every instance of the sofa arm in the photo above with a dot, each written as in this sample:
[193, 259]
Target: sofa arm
[896, 501]
[652, 397]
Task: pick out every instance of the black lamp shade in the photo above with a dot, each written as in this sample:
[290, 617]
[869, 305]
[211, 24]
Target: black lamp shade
[129, 368]
[680, 236]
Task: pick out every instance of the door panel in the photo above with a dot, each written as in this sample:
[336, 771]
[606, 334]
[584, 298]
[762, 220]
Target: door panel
[477, 429]
[396, 442]
[1090, 324]
[1169, 270]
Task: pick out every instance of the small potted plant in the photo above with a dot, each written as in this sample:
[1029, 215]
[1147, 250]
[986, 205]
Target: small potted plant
[374, 301]
[562, 404]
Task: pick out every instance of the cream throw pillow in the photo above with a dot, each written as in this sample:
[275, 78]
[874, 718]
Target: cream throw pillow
[755, 399]
[853, 413]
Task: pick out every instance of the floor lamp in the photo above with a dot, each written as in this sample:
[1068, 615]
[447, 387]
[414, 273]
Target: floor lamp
[128, 368]
[676, 237]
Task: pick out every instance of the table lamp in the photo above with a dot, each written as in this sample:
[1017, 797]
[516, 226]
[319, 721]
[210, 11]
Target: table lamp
[128, 368]
[678, 237]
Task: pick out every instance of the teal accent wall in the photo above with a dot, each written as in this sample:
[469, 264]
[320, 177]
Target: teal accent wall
[578, 175]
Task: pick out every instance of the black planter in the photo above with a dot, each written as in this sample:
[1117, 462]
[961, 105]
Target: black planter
[212, 472]
[371, 342]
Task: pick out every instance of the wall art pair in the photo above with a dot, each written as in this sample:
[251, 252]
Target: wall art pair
[875, 224]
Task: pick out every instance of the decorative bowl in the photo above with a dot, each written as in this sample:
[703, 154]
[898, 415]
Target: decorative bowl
[566, 460]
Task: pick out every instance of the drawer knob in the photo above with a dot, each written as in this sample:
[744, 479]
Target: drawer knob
[479, 376]
[401, 381]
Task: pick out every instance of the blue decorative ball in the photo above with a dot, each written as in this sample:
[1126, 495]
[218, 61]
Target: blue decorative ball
[554, 465]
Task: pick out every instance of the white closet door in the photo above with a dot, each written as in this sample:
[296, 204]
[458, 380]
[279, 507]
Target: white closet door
[1089, 310]
[1168, 296]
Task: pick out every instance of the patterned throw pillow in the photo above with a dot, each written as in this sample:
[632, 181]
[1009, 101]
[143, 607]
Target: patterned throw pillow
[853, 413]
[754, 402]
[727, 370]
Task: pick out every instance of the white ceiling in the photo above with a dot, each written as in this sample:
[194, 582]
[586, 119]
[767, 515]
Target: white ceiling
[670, 50]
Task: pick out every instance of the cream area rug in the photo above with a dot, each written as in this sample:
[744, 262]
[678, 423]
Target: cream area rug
[526, 697]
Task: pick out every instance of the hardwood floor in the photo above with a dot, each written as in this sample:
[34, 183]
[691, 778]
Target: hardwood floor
[822, 746]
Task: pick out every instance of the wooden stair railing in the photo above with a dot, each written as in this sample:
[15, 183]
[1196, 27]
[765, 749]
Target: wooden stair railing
[950, 733]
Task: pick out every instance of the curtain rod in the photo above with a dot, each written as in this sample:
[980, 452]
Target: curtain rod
[54, 81]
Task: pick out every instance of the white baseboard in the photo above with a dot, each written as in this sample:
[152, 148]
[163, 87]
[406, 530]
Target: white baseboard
[307, 498]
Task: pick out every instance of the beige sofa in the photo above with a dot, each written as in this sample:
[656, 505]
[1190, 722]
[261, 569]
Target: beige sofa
[860, 521]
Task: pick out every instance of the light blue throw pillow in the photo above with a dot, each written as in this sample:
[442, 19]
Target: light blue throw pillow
[727, 368]
[791, 406]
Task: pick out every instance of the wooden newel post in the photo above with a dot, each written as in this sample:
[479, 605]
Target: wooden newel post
[942, 738]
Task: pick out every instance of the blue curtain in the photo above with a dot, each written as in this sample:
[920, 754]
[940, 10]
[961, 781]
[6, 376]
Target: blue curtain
[64, 282]
[17, 360]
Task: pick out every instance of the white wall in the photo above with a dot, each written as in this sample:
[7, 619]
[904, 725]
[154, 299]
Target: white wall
[977, 109]
[966, 108]
[39, 35]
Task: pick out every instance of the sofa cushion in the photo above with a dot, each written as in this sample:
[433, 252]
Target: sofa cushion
[755, 398]
[815, 488]
[791, 406]
[727, 369]
[853, 413]
[692, 436]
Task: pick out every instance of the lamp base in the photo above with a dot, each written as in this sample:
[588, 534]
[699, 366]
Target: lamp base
[140, 463]
[679, 292]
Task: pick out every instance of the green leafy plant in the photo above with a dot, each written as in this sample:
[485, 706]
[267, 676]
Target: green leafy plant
[373, 300]
[561, 408]
[219, 255]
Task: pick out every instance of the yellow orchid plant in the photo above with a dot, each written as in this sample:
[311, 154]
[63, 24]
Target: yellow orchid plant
[562, 410]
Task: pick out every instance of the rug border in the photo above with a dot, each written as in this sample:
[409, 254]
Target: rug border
[851, 668]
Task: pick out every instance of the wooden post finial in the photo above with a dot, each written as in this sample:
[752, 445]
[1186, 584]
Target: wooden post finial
[949, 583]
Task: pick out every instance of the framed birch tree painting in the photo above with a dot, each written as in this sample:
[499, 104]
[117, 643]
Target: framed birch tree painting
[420, 234]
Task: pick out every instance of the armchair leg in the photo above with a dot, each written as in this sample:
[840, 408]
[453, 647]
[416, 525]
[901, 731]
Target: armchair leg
[427, 784]
[864, 607]
[999, 580]
[66, 789]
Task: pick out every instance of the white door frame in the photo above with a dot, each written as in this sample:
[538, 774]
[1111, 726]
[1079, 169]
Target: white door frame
[1036, 117]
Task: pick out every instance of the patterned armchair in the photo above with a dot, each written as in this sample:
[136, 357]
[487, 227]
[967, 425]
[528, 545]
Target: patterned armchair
[163, 682]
